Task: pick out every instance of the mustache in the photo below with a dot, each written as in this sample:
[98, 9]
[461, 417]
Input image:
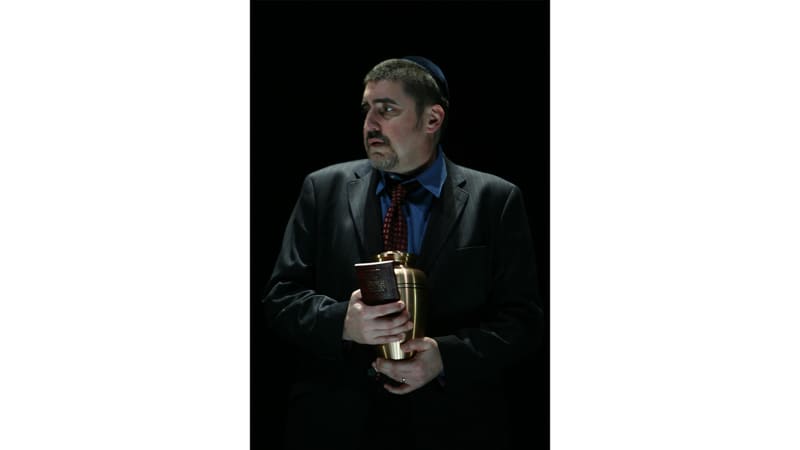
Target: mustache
[376, 135]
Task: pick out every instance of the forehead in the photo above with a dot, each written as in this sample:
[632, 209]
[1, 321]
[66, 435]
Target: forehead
[386, 89]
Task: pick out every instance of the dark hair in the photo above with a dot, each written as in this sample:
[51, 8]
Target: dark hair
[417, 81]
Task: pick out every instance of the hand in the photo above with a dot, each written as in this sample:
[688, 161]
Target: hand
[415, 372]
[373, 325]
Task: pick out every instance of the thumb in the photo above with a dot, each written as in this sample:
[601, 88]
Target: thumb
[415, 345]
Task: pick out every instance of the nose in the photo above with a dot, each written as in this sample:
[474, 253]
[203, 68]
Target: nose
[370, 121]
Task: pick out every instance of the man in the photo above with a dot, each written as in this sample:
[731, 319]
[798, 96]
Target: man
[469, 231]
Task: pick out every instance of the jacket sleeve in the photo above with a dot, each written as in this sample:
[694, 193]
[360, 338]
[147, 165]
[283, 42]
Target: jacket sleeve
[511, 324]
[294, 311]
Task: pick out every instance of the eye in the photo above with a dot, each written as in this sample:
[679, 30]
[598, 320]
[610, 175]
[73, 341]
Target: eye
[387, 110]
[384, 109]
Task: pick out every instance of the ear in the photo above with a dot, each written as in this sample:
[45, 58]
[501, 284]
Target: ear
[434, 119]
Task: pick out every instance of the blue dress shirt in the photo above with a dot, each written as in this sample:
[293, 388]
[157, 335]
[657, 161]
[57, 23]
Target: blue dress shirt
[418, 202]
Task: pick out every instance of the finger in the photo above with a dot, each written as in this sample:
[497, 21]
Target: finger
[385, 366]
[416, 345]
[397, 370]
[387, 339]
[399, 390]
[355, 296]
[397, 320]
[393, 325]
[383, 310]
[402, 329]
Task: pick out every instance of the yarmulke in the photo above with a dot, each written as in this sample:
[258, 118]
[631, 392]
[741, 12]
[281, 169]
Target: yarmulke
[435, 72]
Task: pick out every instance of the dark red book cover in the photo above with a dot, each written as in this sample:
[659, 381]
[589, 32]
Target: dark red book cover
[377, 282]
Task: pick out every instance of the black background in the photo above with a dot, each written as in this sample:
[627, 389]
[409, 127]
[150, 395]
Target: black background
[307, 65]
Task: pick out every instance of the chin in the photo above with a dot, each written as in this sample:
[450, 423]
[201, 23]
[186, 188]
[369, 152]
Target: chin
[382, 162]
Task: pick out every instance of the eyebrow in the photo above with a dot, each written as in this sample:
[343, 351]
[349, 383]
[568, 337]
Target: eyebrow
[381, 100]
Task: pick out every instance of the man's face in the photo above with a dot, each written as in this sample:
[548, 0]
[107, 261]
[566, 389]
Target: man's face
[394, 137]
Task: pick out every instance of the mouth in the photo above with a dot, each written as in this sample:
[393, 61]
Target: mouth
[375, 142]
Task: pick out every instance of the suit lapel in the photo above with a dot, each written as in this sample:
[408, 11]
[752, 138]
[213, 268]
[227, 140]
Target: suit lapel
[445, 214]
[365, 212]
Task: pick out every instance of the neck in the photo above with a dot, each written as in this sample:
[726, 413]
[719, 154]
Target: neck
[421, 168]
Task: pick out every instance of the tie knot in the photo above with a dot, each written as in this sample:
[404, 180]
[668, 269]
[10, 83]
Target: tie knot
[399, 190]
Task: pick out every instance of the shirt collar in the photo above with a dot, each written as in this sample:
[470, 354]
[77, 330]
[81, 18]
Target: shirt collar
[431, 178]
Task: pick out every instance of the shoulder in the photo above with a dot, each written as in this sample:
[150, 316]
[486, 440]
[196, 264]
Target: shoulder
[488, 194]
[475, 181]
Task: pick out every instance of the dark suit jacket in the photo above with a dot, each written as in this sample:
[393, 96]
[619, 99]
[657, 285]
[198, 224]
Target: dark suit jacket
[484, 312]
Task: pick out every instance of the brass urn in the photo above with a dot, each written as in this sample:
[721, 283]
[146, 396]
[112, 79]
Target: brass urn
[411, 284]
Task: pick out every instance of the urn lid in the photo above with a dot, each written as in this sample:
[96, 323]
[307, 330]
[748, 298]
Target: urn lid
[404, 258]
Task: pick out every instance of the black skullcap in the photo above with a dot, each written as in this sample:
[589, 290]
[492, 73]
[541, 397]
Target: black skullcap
[435, 72]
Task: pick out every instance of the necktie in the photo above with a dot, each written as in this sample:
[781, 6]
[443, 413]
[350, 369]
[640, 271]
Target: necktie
[395, 229]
